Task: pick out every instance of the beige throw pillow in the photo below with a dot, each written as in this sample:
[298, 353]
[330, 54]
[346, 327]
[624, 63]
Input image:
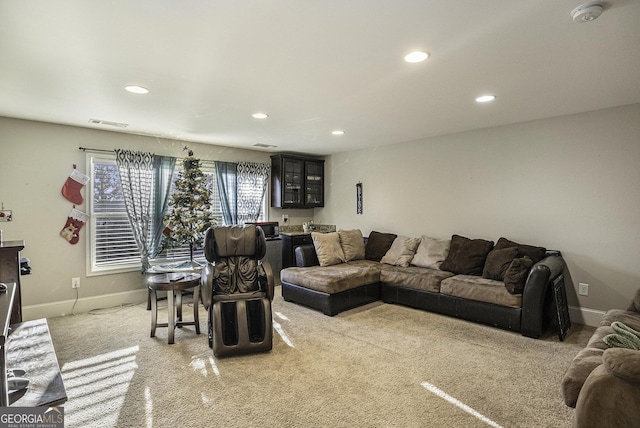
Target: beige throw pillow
[352, 244]
[431, 252]
[328, 248]
[401, 252]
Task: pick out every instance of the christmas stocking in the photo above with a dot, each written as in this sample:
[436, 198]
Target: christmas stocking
[72, 227]
[71, 188]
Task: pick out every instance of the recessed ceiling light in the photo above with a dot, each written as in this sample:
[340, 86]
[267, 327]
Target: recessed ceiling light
[416, 56]
[135, 89]
[485, 98]
[337, 132]
[260, 115]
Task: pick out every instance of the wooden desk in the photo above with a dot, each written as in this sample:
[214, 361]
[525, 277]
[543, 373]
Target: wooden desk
[172, 282]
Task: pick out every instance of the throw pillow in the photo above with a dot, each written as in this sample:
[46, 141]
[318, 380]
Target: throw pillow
[328, 248]
[377, 245]
[466, 256]
[497, 263]
[352, 244]
[534, 253]
[516, 275]
[431, 252]
[401, 252]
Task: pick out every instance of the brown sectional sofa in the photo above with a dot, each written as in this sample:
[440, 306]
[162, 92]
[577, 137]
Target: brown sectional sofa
[603, 383]
[338, 287]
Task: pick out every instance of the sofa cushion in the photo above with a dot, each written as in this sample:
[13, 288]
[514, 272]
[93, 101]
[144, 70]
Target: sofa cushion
[467, 256]
[628, 318]
[414, 277]
[328, 248]
[377, 245]
[481, 289]
[515, 277]
[335, 278]
[401, 252]
[352, 244]
[534, 253]
[579, 370]
[431, 252]
[497, 263]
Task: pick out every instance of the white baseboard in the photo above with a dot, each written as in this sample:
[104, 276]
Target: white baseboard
[586, 316]
[65, 307]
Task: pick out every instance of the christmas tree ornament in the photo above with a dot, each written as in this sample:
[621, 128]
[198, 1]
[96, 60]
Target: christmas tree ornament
[71, 188]
[191, 213]
[75, 221]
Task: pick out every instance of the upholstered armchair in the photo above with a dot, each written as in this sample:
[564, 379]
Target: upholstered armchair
[237, 289]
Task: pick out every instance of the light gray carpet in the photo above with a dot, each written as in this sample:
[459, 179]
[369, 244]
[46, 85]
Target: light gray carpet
[376, 366]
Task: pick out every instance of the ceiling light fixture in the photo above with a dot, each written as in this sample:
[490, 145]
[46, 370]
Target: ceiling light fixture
[485, 98]
[416, 56]
[587, 12]
[260, 115]
[338, 132]
[135, 89]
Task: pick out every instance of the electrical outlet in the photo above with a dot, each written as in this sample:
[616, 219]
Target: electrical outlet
[75, 282]
[285, 218]
[583, 289]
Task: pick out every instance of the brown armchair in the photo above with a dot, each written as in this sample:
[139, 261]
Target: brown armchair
[237, 289]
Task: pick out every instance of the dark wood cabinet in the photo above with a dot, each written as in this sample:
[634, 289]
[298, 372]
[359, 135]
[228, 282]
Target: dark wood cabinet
[297, 182]
[10, 272]
[289, 244]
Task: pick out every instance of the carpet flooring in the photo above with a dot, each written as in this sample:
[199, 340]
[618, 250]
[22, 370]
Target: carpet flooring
[379, 365]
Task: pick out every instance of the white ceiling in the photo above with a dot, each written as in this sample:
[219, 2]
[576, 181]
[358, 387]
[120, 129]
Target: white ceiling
[313, 66]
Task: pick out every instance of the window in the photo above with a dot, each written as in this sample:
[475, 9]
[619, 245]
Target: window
[112, 247]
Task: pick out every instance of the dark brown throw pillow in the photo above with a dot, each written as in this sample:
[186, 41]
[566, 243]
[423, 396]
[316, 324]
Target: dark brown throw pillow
[497, 263]
[466, 256]
[377, 245]
[516, 275]
[534, 253]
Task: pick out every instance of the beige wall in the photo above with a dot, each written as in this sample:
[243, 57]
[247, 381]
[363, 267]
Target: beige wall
[567, 183]
[35, 161]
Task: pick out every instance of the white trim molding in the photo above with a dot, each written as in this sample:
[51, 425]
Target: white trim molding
[586, 316]
[86, 304]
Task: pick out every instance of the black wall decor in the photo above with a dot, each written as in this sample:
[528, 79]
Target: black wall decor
[359, 198]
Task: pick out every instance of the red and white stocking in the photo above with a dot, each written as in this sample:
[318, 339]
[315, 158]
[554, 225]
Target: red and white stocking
[71, 188]
[72, 227]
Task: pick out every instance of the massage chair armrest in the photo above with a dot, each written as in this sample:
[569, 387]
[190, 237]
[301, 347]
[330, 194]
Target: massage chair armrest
[267, 282]
[306, 256]
[536, 293]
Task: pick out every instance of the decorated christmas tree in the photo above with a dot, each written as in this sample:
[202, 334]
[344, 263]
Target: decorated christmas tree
[190, 214]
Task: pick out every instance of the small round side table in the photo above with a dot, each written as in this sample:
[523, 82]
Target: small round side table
[172, 283]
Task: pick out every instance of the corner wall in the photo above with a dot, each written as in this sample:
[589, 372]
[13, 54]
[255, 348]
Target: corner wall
[568, 183]
[35, 160]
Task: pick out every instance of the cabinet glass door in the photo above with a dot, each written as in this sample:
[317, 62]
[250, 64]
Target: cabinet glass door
[314, 194]
[292, 181]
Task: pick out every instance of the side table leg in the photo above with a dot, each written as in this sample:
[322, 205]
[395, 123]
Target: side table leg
[154, 311]
[196, 297]
[179, 305]
[171, 325]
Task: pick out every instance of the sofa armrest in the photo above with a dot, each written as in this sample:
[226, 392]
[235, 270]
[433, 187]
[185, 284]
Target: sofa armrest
[634, 304]
[536, 293]
[607, 399]
[306, 256]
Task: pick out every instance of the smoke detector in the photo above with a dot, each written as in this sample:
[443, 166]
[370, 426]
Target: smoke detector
[587, 12]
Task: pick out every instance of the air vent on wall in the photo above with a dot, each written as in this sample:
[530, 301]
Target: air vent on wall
[108, 123]
[264, 146]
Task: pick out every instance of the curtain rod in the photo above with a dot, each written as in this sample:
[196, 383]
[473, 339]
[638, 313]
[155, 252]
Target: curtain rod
[89, 149]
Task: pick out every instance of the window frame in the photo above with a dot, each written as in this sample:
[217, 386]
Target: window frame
[170, 255]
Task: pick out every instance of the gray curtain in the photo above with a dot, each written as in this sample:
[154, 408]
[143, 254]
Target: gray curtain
[226, 178]
[252, 181]
[136, 178]
[163, 167]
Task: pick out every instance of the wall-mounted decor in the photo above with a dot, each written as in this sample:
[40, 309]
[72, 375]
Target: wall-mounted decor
[359, 198]
[5, 215]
